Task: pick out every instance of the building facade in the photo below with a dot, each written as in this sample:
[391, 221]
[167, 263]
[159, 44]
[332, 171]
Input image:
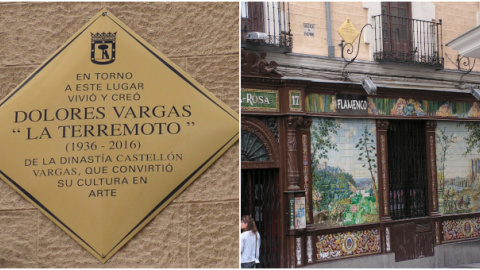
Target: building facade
[360, 133]
[202, 222]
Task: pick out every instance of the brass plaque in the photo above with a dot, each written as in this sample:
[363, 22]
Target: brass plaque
[107, 132]
[347, 31]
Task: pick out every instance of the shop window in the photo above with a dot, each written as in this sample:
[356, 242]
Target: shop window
[407, 169]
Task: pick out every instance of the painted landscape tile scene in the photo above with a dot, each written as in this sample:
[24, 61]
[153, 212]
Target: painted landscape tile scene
[458, 167]
[344, 172]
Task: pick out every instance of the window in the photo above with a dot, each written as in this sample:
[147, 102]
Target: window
[253, 148]
[252, 17]
[268, 22]
[397, 30]
[400, 38]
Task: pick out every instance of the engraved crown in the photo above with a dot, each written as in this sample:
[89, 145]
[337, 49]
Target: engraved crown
[104, 36]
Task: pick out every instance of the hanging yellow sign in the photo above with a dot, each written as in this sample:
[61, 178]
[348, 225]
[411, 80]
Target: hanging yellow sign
[107, 132]
[347, 31]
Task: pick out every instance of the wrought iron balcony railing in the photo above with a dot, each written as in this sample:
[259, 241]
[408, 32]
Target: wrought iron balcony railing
[404, 40]
[266, 24]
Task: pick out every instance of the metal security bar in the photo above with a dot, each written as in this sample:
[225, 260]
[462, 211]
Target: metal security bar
[405, 40]
[260, 199]
[266, 23]
[407, 169]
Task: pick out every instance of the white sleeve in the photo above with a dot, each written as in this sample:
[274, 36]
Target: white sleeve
[242, 239]
[258, 246]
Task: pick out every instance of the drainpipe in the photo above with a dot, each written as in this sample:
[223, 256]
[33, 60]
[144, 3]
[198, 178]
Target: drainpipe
[331, 49]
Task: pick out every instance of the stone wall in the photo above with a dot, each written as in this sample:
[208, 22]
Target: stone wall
[200, 227]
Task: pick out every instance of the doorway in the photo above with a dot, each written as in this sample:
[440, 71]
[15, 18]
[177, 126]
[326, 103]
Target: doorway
[260, 198]
[412, 234]
[407, 166]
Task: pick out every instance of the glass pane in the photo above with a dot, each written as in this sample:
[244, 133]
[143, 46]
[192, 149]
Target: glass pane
[253, 148]
[244, 9]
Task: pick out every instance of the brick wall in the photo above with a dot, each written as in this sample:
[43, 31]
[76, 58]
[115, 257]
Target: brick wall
[200, 227]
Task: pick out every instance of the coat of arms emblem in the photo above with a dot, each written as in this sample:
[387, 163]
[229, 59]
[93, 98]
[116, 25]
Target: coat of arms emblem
[103, 48]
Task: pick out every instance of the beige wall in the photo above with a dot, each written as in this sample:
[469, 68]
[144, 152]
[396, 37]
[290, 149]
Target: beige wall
[457, 18]
[200, 227]
[314, 12]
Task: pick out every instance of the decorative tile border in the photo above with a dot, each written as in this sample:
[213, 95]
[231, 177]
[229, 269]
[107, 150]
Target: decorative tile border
[292, 213]
[457, 229]
[384, 173]
[309, 249]
[387, 239]
[434, 175]
[306, 172]
[299, 251]
[318, 103]
[348, 244]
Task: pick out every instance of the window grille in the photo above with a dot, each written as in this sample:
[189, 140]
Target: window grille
[270, 18]
[407, 169]
[405, 40]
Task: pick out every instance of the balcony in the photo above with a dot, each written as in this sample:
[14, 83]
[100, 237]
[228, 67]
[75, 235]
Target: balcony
[404, 40]
[266, 26]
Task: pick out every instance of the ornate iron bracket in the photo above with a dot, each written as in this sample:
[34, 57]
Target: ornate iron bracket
[463, 64]
[349, 51]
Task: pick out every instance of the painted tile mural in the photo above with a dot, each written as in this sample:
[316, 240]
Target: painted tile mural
[458, 167]
[347, 244]
[321, 103]
[344, 169]
[458, 229]
[318, 103]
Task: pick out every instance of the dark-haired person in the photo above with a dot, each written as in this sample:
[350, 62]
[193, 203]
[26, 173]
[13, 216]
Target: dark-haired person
[250, 243]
